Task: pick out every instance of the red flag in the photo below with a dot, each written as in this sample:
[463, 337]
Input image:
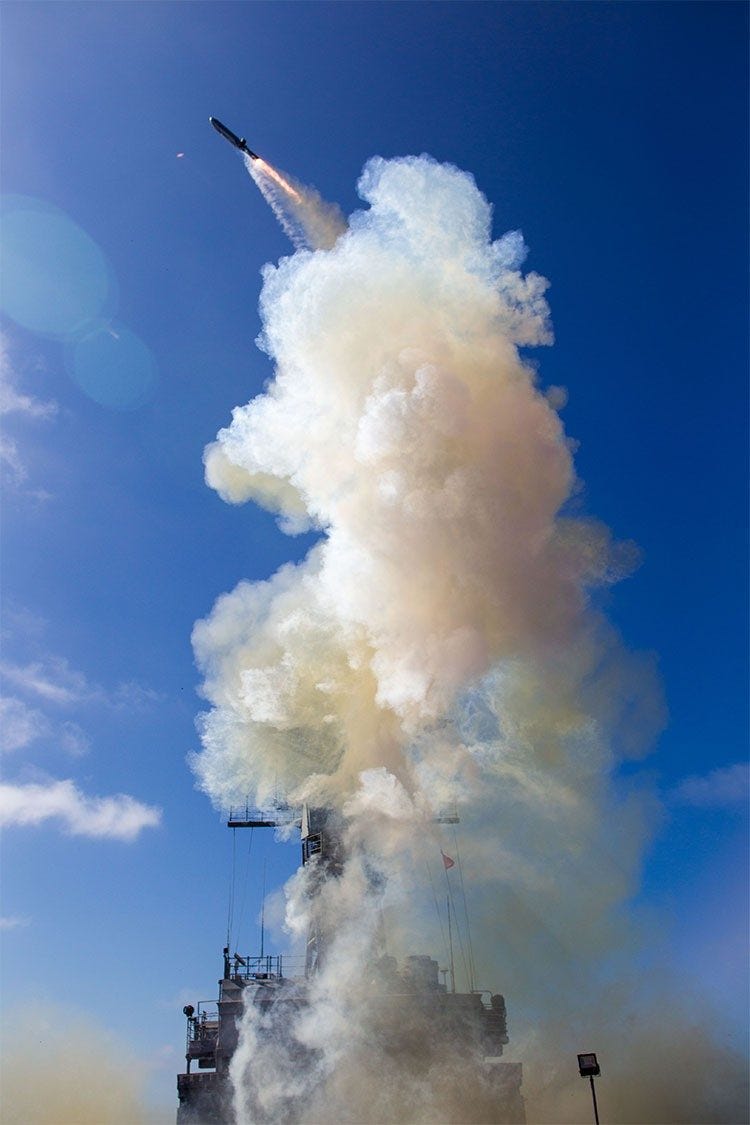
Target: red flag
[447, 861]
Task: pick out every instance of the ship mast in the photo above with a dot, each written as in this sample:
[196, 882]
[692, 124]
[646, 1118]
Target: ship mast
[320, 832]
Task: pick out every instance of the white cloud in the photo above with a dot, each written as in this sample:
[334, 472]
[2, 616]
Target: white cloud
[120, 817]
[721, 788]
[16, 402]
[52, 679]
[18, 619]
[131, 695]
[10, 459]
[19, 724]
[13, 922]
[55, 681]
[13, 400]
[74, 740]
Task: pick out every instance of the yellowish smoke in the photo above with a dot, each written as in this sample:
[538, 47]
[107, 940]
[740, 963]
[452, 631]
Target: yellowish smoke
[60, 1068]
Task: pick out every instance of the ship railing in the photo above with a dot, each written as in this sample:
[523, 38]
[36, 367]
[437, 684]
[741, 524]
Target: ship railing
[202, 1029]
[294, 965]
[270, 967]
[206, 1019]
[276, 815]
[275, 966]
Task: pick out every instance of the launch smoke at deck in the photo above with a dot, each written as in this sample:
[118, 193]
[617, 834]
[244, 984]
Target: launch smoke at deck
[399, 1005]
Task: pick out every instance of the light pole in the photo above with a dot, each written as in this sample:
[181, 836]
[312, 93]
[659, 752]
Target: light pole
[588, 1067]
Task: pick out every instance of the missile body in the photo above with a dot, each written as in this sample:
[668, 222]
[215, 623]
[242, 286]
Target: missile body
[228, 135]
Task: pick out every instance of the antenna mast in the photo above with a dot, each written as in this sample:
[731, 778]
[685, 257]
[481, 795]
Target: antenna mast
[450, 943]
[263, 911]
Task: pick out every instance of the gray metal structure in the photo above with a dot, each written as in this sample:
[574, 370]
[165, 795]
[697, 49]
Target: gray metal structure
[409, 997]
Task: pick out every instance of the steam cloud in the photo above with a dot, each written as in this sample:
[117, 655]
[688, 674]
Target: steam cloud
[439, 646]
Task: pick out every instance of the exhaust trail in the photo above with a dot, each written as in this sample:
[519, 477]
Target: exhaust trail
[441, 645]
[305, 217]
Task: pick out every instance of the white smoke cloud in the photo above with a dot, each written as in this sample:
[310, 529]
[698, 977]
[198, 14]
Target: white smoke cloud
[120, 817]
[438, 647]
[403, 422]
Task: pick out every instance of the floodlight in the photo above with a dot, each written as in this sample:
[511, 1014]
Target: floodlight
[588, 1066]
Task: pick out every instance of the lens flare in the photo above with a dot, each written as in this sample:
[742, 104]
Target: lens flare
[55, 278]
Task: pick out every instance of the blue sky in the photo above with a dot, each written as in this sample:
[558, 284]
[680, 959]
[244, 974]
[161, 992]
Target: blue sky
[614, 137]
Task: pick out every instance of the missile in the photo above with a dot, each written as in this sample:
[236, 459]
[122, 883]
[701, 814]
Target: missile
[228, 135]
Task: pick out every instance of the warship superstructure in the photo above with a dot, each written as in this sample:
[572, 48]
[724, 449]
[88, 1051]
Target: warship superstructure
[408, 1002]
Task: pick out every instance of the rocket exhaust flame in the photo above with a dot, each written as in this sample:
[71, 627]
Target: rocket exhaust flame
[268, 170]
[309, 221]
[439, 646]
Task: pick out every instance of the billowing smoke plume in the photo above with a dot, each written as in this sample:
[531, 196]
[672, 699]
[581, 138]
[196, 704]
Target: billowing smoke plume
[439, 647]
